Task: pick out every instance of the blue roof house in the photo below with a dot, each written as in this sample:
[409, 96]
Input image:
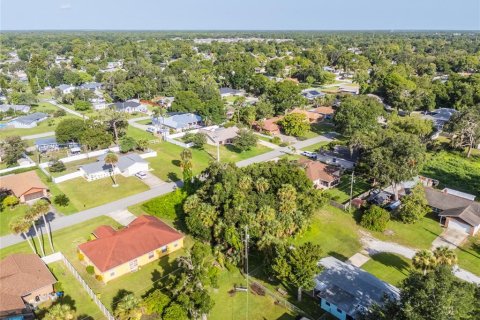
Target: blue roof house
[346, 291]
[179, 121]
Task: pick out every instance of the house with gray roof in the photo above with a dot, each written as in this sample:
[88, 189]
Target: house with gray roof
[228, 92]
[28, 121]
[346, 291]
[92, 86]
[312, 94]
[130, 106]
[178, 121]
[128, 165]
[457, 210]
[66, 88]
[51, 144]
[220, 136]
[14, 107]
[439, 116]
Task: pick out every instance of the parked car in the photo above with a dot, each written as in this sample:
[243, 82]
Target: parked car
[141, 175]
[308, 154]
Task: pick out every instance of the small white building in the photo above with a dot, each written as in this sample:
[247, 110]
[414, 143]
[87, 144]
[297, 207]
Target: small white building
[128, 165]
[66, 88]
[28, 121]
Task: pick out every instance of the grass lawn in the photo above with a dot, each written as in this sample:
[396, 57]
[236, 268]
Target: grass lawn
[55, 190]
[315, 147]
[7, 215]
[341, 193]
[469, 255]
[418, 235]
[319, 128]
[146, 122]
[75, 295]
[45, 107]
[388, 267]
[45, 126]
[64, 240]
[84, 195]
[335, 231]
[138, 134]
[228, 153]
[455, 171]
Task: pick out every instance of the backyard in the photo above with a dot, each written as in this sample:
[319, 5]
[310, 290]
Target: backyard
[454, 170]
[74, 295]
[341, 193]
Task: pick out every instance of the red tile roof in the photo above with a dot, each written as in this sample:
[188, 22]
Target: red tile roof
[141, 236]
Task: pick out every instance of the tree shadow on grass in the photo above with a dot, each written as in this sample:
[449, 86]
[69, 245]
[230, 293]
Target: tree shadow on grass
[176, 162]
[391, 260]
[338, 256]
[172, 176]
[119, 296]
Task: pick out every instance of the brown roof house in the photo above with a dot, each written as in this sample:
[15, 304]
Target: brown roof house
[269, 126]
[457, 210]
[25, 186]
[311, 116]
[322, 175]
[117, 252]
[24, 278]
[220, 136]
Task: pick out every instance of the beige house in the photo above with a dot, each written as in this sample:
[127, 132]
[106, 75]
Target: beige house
[25, 186]
[220, 136]
[117, 252]
[24, 279]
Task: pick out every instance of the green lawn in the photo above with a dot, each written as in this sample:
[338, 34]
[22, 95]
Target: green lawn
[64, 240]
[319, 128]
[228, 153]
[138, 134]
[335, 231]
[388, 267]
[315, 147]
[418, 235]
[84, 194]
[8, 215]
[45, 126]
[54, 191]
[469, 255]
[75, 295]
[455, 171]
[146, 122]
[341, 193]
[45, 107]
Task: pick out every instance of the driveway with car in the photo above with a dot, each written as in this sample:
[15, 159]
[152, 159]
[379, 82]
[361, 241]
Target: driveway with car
[151, 180]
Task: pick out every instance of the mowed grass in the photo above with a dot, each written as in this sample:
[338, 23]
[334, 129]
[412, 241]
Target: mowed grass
[334, 230]
[138, 134]
[45, 126]
[454, 170]
[341, 193]
[418, 235]
[74, 295]
[84, 194]
[54, 191]
[388, 267]
[65, 240]
[8, 215]
[469, 255]
[229, 153]
[315, 147]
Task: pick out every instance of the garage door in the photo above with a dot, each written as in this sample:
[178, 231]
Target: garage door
[457, 225]
[33, 196]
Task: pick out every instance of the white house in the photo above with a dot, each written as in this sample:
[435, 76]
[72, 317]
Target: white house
[65, 88]
[128, 165]
[28, 121]
[130, 106]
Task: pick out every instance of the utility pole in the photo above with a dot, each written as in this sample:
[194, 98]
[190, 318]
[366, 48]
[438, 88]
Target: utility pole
[351, 191]
[246, 263]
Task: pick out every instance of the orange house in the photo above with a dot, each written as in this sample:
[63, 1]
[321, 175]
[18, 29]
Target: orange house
[25, 186]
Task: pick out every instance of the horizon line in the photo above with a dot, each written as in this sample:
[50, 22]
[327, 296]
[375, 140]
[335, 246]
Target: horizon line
[240, 30]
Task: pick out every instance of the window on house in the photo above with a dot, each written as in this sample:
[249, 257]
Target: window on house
[112, 273]
[164, 249]
[175, 244]
[327, 303]
[339, 311]
[151, 255]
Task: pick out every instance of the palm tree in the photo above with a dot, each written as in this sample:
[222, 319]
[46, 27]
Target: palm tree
[22, 226]
[42, 207]
[445, 256]
[112, 159]
[424, 260]
[32, 217]
[128, 307]
[60, 312]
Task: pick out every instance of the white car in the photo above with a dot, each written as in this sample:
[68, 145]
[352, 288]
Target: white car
[141, 175]
[309, 154]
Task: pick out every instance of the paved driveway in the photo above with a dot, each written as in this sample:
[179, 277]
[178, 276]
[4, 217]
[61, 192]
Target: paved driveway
[152, 181]
[450, 238]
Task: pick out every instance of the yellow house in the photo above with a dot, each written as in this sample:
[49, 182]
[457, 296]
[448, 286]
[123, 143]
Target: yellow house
[115, 253]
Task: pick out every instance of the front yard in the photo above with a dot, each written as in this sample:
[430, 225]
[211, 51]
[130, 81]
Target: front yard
[8, 215]
[388, 267]
[469, 255]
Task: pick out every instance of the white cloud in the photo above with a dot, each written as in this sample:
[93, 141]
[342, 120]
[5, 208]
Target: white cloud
[65, 6]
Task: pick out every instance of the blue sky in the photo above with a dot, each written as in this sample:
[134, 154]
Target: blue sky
[240, 14]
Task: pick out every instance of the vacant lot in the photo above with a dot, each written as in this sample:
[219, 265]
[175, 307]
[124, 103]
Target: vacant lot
[388, 267]
[455, 171]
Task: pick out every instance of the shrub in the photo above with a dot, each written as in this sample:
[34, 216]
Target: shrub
[99, 277]
[283, 144]
[168, 206]
[58, 286]
[128, 144]
[61, 200]
[90, 270]
[81, 105]
[56, 166]
[276, 140]
[375, 219]
[80, 256]
[10, 201]
[59, 113]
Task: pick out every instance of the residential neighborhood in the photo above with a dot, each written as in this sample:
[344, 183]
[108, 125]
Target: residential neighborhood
[252, 167]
